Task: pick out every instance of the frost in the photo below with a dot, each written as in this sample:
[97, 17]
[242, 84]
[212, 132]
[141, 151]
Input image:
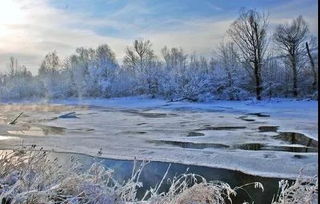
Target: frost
[29, 176]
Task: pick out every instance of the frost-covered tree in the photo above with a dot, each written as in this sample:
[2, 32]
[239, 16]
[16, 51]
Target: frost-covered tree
[174, 70]
[140, 55]
[233, 76]
[92, 71]
[249, 33]
[142, 62]
[275, 75]
[174, 58]
[19, 83]
[50, 64]
[103, 69]
[290, 38]
[49, 75]
[193, 80]
[234, 72]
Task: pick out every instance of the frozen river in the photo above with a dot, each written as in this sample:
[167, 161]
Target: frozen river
[270, 139]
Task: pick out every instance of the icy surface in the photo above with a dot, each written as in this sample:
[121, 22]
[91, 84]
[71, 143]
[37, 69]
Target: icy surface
[218, 134]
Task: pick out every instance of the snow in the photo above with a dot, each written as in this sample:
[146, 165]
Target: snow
[152, 129]
[123, 102]
[285, 112]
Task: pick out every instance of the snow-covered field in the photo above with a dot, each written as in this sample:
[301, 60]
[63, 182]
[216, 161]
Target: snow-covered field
[225, 134]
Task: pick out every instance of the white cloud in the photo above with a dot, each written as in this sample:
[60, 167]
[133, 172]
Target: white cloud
[199, 36]
[29, 29]
[45, 29]
[286, 12]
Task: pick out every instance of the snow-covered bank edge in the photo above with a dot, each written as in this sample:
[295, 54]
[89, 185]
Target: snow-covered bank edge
[247, 106]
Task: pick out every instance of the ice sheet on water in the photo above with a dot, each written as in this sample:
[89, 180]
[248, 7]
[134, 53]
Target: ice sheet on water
[123, 129]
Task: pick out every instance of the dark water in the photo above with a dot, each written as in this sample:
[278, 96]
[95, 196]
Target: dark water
[262, 115]
[268, 128]
[246, 146]
[154, 171]
[190, 145]
[208, 127]
[297, 138]
[259, 146]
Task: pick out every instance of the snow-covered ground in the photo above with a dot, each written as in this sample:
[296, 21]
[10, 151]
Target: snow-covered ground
[217, 134]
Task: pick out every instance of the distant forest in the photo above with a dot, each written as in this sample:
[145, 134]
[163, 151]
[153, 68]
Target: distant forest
[253, 63]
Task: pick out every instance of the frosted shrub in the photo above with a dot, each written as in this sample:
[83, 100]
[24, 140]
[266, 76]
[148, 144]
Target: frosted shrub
[30, 176]
[194, 189]
[302, 191]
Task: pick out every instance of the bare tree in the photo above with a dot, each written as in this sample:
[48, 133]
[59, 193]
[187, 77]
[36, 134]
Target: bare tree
[130, 60]
[174, 58]
[312, 64]
[249, 33]
[50, 64]
[13, 65]
[143, 63]
[290, 38]
[140, 55]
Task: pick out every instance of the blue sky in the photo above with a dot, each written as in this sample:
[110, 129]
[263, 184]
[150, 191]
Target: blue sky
[31, 28]
[159, 15]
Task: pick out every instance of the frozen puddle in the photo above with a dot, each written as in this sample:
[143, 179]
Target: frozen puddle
[297, 138]
[268, 128]
[190, 145]
[257, 143]
[311, 145]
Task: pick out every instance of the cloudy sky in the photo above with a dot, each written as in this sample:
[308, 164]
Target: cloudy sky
[31, 28]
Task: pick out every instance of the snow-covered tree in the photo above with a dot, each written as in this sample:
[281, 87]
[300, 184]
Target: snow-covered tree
[249, 33]
[290, 39]
[239, 69]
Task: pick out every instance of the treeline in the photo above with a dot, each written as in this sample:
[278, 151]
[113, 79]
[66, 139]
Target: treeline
[253, 63]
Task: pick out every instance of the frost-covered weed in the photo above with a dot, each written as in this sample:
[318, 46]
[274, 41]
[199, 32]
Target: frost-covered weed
[32, 177]
[302, 191]
[193, 189]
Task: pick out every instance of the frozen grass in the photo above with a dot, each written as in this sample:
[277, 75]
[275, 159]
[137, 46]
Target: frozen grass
[304, 191]
[31, 177]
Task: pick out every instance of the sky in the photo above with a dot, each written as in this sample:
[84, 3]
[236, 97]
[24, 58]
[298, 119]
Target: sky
[29, 29]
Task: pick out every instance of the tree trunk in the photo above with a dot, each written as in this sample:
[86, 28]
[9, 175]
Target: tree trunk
[295, 79]
[229, 78]
[315, 78]
[258, 81]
